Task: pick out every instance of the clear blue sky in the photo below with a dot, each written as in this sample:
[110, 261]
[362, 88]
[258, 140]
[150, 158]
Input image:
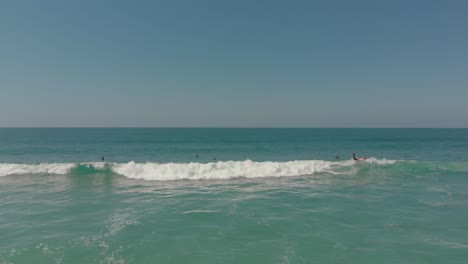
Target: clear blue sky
[234, 63]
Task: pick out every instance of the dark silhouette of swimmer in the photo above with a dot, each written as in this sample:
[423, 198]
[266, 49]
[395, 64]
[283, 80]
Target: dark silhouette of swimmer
[354, 156]
[102, 158]
[337, 156]
[196, 156]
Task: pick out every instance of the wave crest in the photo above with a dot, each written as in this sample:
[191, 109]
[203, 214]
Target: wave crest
[193, 171]
[50, 168]
[220, 170]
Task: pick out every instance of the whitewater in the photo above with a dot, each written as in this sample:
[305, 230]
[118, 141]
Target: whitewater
[196, 171]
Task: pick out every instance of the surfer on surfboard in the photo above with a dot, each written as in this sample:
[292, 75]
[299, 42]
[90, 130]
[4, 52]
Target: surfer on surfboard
[354, 157]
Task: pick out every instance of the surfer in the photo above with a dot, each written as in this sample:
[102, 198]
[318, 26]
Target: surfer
[196, 156]
[354, 157]
[337, 156]
[102, 158]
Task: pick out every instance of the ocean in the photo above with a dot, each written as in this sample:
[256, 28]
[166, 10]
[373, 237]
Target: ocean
[208, 195]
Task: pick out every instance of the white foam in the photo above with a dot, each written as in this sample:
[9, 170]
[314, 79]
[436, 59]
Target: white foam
[224, 169]
[50, 168]
[96, 165]
[380, 161]
[199, 171]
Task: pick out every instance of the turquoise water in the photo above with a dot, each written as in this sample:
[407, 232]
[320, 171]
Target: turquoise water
[251, 196]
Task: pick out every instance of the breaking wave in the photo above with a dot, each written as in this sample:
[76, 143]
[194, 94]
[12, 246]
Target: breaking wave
[42, 168]
[193, 171]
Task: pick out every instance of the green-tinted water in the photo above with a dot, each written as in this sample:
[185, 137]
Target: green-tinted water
[311, 211]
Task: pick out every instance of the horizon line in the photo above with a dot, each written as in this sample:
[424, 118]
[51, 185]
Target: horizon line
[222, 127]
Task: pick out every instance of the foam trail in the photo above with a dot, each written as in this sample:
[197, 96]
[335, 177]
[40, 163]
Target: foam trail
[380, 161]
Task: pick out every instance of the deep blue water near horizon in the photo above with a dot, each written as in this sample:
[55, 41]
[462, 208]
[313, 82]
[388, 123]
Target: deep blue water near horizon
[252, 195]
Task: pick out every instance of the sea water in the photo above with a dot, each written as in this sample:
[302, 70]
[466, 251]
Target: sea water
[233, 195]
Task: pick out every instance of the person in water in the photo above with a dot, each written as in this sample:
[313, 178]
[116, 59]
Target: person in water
[354, 157]
[102, 158]
[337, 156]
